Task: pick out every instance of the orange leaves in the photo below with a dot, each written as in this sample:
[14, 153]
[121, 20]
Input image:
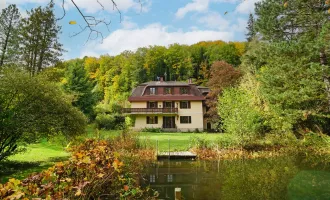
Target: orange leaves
[93, 166]
[117, 164]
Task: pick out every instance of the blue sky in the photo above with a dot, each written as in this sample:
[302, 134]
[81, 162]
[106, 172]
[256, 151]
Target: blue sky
[158, 22]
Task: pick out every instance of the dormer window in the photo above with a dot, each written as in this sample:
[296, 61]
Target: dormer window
[183, 90]
[168, 90]
[152, 91]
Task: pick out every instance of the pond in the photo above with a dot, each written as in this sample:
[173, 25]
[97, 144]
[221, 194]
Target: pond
[288, 177]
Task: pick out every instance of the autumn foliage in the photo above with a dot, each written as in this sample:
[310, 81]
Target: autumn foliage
[96, 170]
[222, 75]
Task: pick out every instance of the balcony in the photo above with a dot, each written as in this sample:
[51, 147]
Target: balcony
[150, 110]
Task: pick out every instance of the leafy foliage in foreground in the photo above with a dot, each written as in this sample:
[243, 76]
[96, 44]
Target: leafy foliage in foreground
[96, 169]
[32, 108]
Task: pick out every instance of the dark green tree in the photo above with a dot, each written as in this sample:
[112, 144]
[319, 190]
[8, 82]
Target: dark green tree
[39, 45]
[78, 84]
[32, 108]
[251, 29]
[9, 23]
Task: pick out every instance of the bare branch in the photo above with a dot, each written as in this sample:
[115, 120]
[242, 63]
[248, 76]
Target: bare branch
[64, 13]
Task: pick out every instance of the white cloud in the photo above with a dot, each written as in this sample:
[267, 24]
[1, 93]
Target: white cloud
[128, 24]
[247, 6]
[20, 2]
[240, 26]
[195, 6]
[214, 20]
[153, 34]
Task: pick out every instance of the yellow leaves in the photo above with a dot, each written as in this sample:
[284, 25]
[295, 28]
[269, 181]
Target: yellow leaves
[72, 22]
[78, 193]
[15, 182]
[286, 4]
[329, 11]
[327, 2]
[86, 160]
[117, 164]
[100, 175]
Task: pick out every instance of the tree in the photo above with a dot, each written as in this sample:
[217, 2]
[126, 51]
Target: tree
[251, 29]
[223, 75]
[77, 83]
[39, 43]
[9, 23]
[32, 108]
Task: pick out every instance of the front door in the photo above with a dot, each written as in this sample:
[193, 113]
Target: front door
[169, 122]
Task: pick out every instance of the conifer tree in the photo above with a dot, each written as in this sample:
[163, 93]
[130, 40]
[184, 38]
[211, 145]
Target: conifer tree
[39, 39]
[251, 29]
[9, 23]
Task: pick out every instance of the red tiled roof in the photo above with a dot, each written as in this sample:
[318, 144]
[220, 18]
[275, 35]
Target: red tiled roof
[196, 92]
[166, 98]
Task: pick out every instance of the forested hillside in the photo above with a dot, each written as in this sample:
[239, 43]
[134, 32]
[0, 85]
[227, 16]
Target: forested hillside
[100, 86]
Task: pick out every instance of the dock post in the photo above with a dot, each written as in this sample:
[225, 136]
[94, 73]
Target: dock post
[169, 147]
[156, 147]
[177, 192]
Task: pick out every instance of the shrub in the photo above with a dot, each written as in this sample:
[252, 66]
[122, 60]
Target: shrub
[110, 122]
[199, 142]
[239, 115]
[152, 130]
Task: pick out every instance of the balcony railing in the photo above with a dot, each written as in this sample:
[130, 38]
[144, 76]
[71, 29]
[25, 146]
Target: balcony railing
[150, 110]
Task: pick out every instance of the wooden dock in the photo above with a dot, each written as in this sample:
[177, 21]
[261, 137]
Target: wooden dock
[176, 155]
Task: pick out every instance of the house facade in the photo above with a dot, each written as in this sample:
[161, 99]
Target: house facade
[169, 105]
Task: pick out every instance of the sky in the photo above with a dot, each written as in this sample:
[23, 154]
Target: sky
[151, 22]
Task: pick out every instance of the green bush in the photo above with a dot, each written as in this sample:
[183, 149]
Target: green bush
[227, 141]
[239, 115]
[110, 122]
[199, 142]
[152, 130]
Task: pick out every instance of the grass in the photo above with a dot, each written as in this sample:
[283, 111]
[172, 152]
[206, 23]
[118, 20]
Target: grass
[38, 157]
[42, 155]
[178, 141]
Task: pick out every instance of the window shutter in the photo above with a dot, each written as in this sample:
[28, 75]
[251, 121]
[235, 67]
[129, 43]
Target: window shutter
[147, 120]
[189, 119]
[189, 104]
[173, 104]
[156, 119]
[148, 104]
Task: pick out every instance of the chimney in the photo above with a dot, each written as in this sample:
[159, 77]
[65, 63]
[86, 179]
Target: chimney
[189, 81]
[161, 79]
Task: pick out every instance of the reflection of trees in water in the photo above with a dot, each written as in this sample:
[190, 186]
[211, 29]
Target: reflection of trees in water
[236, 179]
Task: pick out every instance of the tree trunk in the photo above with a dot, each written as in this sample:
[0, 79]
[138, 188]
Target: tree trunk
[4, 49]
[323, 61]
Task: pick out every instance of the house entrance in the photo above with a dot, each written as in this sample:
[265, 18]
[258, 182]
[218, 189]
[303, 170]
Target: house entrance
[168, 122]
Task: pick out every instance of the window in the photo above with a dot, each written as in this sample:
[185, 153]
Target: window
[168, 104]
[170, 178]
[183, 90]
[168, 91]
[152, 104]
[152, 91]
[184, 104]
[152, 120]
[185, 120]
[152, 178]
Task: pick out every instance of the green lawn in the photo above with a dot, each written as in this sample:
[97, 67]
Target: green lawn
[38, 157]
[43, 155]
[178, 141]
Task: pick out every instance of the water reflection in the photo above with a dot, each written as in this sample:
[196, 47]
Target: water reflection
[289, 177]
